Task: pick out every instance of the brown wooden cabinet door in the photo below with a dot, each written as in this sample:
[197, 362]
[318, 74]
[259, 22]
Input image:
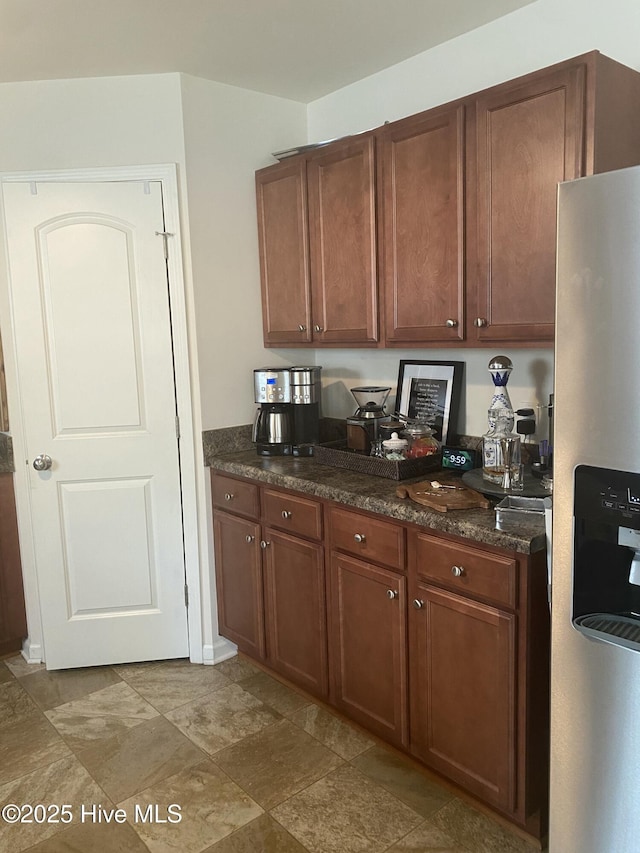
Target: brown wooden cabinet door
[342, 235]
[529, 137]
[284, 252]
[296, 610]
[13, 621]
[463, 686]
[368, 606]
[239, 582]
[421, 195]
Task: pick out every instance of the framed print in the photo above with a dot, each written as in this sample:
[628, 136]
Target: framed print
[430, 391]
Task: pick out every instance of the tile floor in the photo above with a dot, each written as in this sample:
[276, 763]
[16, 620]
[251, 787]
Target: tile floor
[254, 766]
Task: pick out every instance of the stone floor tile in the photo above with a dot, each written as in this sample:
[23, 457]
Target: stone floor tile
[345, 811]
[19, 666]
[211, 807]
[5, 673]
[477, 831]
[15, 703]
[169, 684]
[139, 758]
[427, 838]
[277, 762]
[262, 835]
[28, 744]
[275, 694]
[63, 782]
[100, 715]
[330, 730]
[93, 838]
[403, 780]
[50, 689]
[222, 718]
[237, 668]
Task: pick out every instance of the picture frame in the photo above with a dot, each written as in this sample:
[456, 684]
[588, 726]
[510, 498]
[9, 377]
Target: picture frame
[430, 391]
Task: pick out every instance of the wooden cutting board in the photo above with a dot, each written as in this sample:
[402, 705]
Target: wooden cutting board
[443, 500]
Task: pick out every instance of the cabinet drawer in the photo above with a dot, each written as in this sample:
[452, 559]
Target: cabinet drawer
[293, 513]
[237, 496]
[465, 569]
[368, 537]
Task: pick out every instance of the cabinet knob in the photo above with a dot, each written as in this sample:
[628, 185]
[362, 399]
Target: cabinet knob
[302, 328]
[318, 328]
[264, 544]
[360, 537]
[286, 514]
[418, 603]
[392, 593]
[479, 322]
[228, 496]
[451, 324]
[249, 539]
[457, 571]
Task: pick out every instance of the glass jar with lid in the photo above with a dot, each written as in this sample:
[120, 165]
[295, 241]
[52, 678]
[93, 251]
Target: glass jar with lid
[395, 448]
[422, 441]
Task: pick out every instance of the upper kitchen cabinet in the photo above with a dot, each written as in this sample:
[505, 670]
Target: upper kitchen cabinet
[317, 233]
[570, 120]
[283, 238]
[421, 236]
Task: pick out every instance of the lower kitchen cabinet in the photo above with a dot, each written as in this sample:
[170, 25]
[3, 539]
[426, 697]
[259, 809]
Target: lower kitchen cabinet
[294, 584]
[463, 691]
[435, 643]
[13, 621]
[239, 582]
[369, 644]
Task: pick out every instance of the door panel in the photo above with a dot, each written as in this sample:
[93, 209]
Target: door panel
[92, 329]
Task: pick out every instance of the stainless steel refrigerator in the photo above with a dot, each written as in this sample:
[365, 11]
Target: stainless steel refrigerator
[595, 664]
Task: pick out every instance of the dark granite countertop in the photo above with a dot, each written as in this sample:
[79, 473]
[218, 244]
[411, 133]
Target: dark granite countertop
[6, 454]
[375, 494]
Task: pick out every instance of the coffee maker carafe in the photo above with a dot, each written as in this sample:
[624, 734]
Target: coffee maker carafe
[273, 425]
[363, 425]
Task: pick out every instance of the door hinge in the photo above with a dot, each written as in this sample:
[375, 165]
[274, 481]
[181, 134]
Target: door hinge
[186, 596]
[165, 235]
[177, 426]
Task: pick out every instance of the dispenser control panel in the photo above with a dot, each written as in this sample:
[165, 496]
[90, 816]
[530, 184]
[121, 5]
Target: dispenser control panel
[608, 495]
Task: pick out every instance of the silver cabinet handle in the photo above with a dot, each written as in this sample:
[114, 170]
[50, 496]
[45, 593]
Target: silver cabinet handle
[42, 462]
[302, 328]
[451, 324]
[392, 593]
[264, 544]
[228, 496]
[360, 537]
[318, 328]
[418, 604]
[457, 571]
[479, 322]
[286, 514]
[249, 539]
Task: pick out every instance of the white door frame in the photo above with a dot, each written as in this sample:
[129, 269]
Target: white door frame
[165, 173]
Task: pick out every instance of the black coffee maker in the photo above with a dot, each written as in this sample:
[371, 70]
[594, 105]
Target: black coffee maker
[273, 425]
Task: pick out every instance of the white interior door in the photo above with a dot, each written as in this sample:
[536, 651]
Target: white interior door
[90, 304]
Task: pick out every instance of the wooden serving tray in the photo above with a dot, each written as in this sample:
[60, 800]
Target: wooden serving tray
[443, 500]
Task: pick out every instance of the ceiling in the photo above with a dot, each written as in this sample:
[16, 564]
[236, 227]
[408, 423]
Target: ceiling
[297, 49]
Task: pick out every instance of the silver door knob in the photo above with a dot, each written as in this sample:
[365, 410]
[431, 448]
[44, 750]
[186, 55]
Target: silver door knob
[228, 496]
[286, 514]
[264, 544]
[418, 604]
[392, 593]
[42, 462]
[479, 322]
[249, 539]
[457, 571]
[318, 328]
[302, 328]
[451, 324]
[359, 537]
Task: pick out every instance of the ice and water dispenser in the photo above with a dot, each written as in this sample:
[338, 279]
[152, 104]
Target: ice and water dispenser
[606, 555]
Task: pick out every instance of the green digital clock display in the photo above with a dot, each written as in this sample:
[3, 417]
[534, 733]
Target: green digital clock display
[458, 458]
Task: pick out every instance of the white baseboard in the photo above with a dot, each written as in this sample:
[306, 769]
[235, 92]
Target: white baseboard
[32, 652]
[218, 651]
